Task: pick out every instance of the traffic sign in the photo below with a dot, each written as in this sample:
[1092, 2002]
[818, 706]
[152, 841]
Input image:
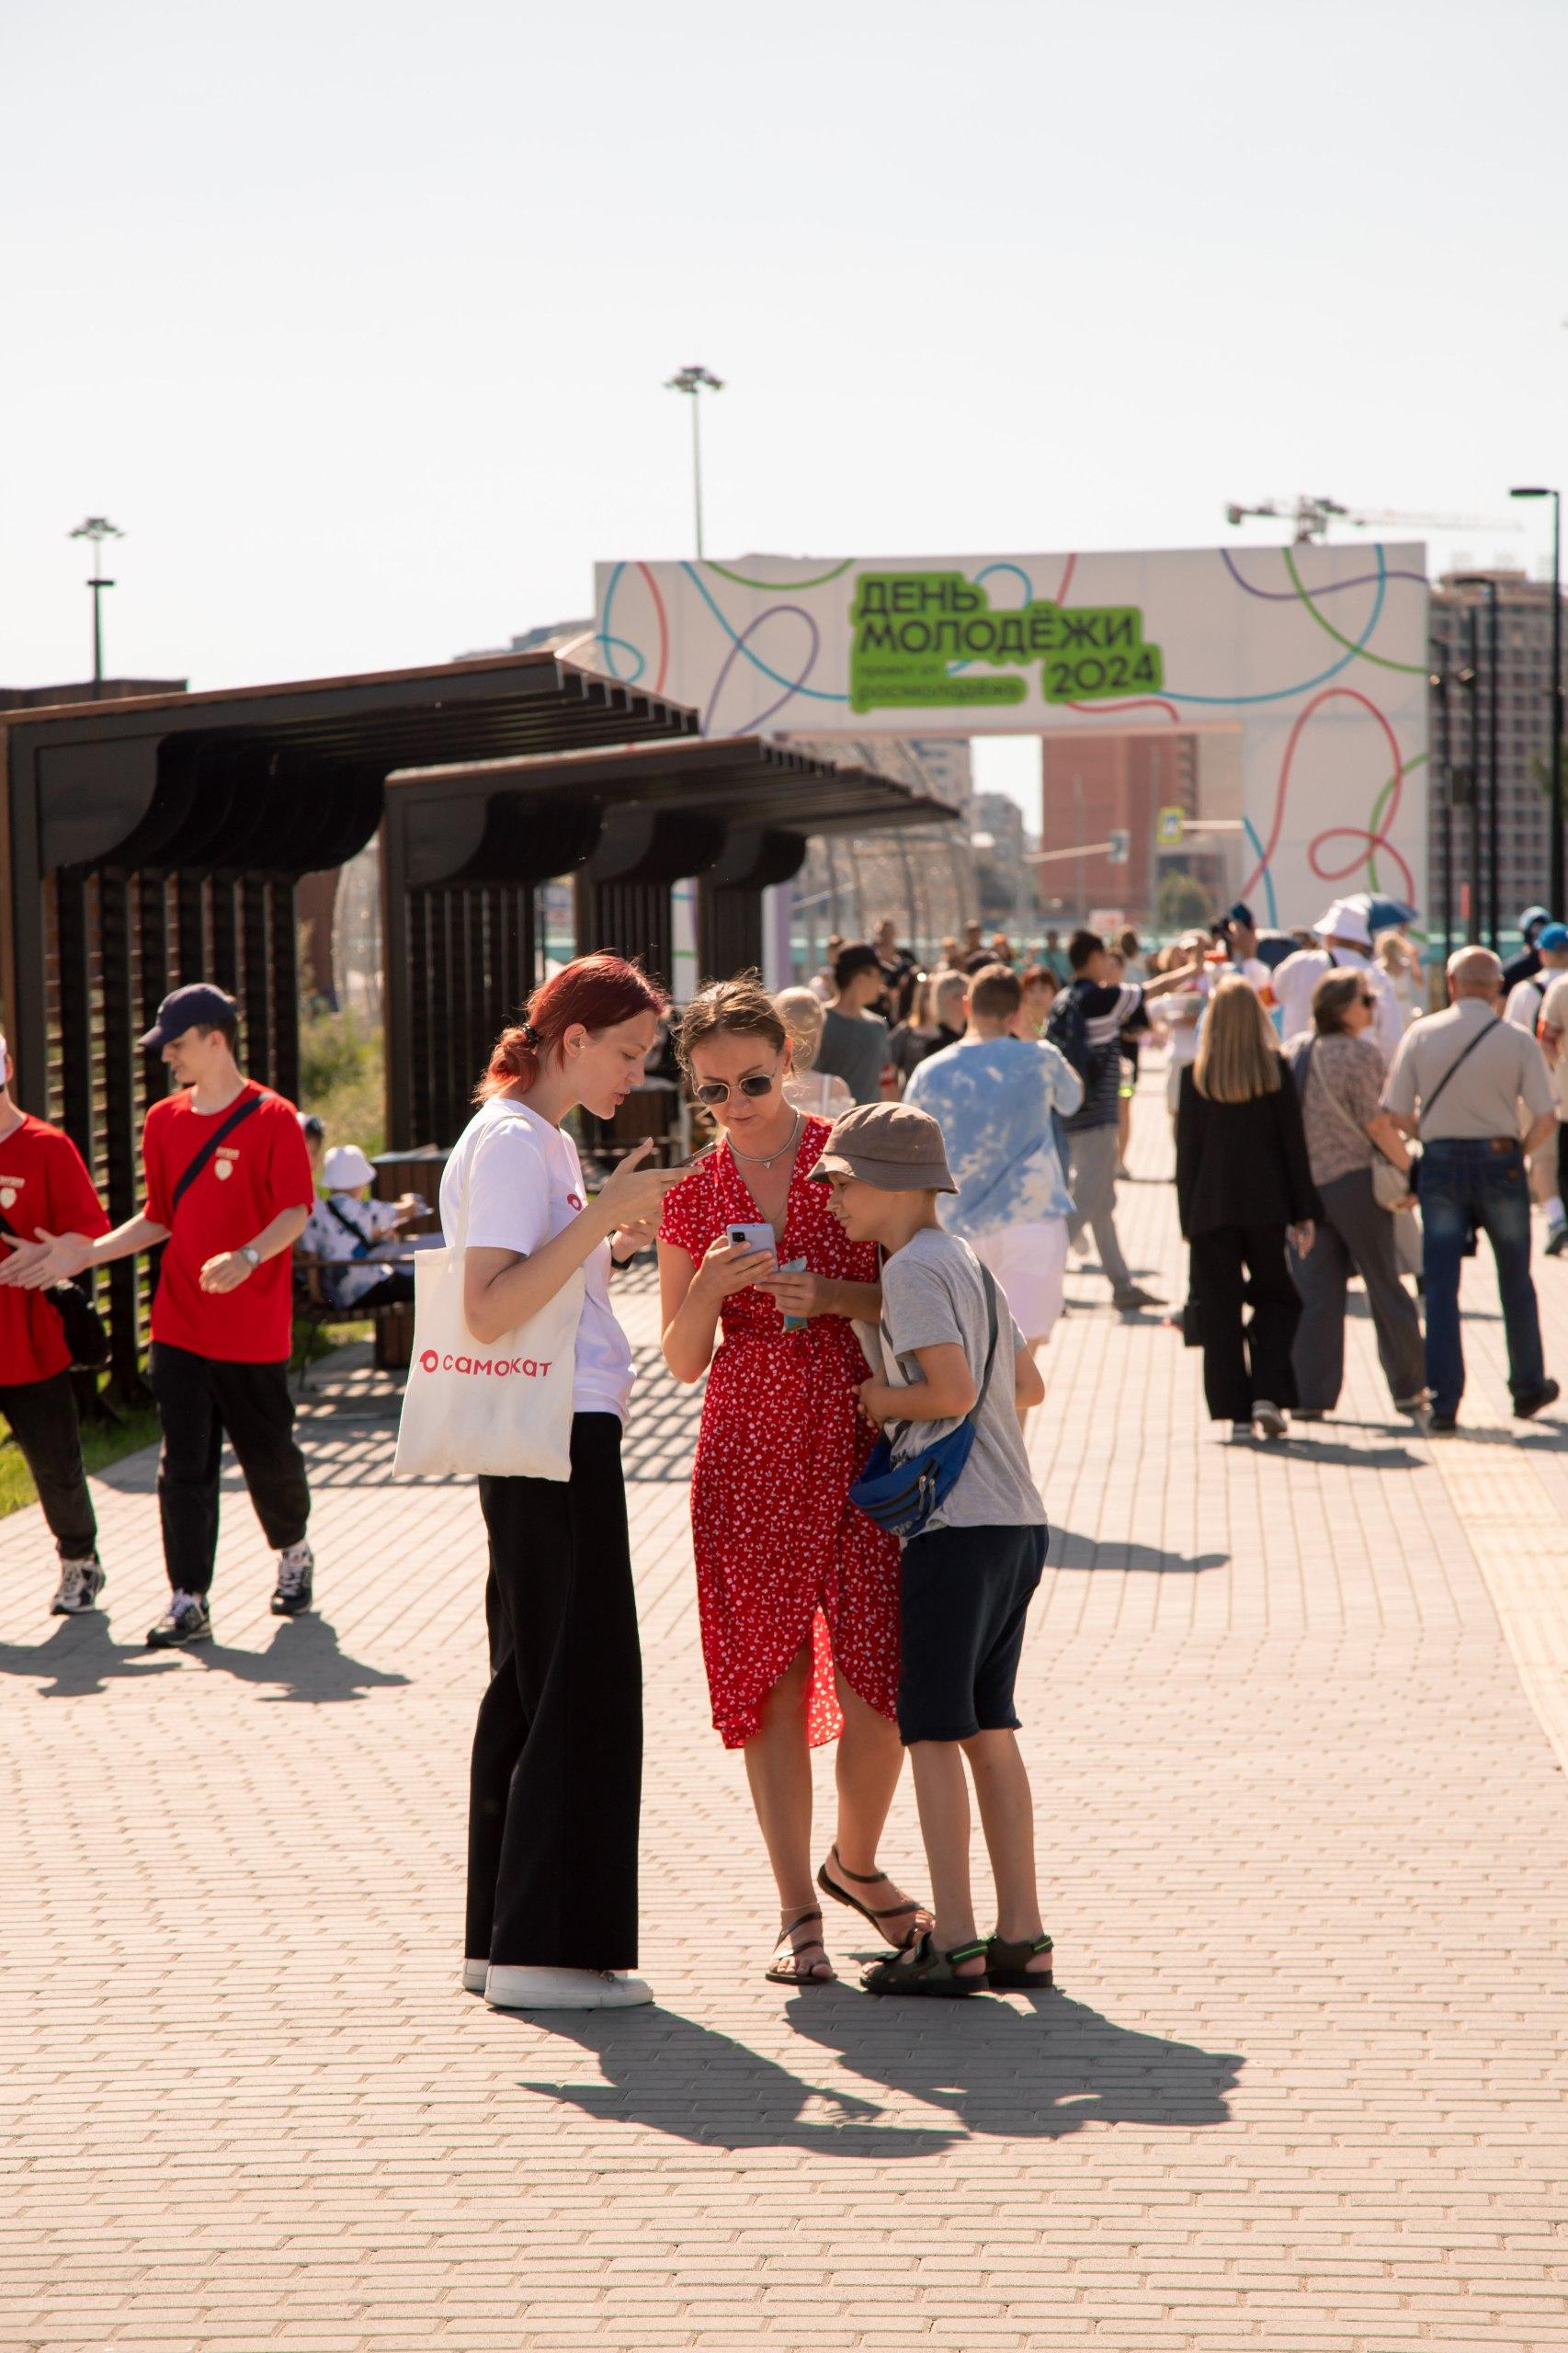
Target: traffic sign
[1120, 844]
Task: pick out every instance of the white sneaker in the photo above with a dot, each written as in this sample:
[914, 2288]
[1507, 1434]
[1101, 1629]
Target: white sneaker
[81, 1582]
[1268, 1419]
[296, 1567]
[474, 1976]
[513, 1987]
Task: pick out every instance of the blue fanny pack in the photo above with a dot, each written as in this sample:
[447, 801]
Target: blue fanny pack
[901, 1496]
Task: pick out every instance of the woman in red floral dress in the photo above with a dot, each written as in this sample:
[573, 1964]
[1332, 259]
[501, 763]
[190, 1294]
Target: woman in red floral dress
[797, 1590]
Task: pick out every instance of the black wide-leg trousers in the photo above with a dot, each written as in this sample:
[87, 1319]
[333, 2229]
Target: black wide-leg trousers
[556, 1781]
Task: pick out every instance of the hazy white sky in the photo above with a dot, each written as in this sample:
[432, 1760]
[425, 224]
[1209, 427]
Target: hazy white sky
[355, 318]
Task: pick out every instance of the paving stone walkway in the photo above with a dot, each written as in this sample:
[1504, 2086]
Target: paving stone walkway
[1292, 1713]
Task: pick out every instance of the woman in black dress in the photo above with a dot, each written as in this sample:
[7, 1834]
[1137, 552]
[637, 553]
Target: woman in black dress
[1244, 1192]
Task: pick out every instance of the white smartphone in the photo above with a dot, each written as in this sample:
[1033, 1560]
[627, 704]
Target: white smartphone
[754, 1237]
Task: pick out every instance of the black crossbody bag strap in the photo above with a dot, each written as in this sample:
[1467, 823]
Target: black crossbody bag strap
[195, 1166]
[349, 1226]
[1487, 1032]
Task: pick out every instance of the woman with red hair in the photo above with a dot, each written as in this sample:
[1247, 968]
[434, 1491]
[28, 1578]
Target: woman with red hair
[556, 1776]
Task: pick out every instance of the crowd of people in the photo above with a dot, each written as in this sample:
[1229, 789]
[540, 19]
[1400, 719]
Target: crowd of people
[864, 1267]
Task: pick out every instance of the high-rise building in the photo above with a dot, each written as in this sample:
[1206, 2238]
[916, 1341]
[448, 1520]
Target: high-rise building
[1524, 736]
[1098, 785]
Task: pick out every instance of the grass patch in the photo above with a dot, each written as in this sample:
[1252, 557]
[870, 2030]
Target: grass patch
[102, 1444]
[341, 1079]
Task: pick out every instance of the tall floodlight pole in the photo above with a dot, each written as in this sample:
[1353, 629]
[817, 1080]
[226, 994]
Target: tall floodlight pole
[694, 382]
[1557, 878]
[97, 528]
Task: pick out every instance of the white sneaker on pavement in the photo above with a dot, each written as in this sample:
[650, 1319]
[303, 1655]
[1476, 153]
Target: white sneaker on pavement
[296, 1569]
[1269, 1419]
[515, 1987]
[474, 1974]
[81, 1582]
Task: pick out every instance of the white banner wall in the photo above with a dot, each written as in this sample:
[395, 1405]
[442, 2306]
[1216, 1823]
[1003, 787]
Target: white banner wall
[1316, 657]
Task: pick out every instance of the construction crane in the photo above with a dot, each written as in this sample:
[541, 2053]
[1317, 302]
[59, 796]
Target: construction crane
[1311, 517]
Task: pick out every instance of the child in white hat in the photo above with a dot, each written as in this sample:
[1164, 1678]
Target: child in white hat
[351, 1235]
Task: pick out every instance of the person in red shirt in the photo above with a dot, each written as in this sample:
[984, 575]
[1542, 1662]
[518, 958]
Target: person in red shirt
[44, 1183]
[228, 1189]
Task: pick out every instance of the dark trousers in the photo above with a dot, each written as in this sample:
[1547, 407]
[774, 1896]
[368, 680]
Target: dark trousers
[1467, 1186]
[42, 1414]
[200, 1399]
[1234, 1268]
[1353, 1233]
[556, 1783]
[396, 1289]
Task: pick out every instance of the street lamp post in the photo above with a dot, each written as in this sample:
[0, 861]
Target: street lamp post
[694, 382]
[97, 528]
[1557, 889]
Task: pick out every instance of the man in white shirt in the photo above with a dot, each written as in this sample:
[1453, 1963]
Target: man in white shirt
[1346, 946]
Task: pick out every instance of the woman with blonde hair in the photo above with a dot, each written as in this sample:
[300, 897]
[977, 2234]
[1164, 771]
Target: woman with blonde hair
[819, 1092]
[1244, 1188]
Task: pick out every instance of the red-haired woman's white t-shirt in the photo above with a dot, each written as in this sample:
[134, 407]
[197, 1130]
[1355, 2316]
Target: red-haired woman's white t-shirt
[523, 1185]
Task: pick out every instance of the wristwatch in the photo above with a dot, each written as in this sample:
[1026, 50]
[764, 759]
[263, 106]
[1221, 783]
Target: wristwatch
[249, 1251]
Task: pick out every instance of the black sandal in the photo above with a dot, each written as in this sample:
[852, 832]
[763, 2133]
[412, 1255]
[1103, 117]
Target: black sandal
[918, 1923]
[921, 1969]
[795, 1975]
[1006, 1965]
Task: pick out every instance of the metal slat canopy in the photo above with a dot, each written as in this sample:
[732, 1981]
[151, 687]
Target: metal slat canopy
[158, 839]
[629, 821]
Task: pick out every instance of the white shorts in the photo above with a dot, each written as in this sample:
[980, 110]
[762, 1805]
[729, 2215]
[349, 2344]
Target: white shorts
[1029, 1262]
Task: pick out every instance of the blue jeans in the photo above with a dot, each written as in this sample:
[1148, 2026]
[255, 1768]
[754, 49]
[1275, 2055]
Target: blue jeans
[1465, 1183]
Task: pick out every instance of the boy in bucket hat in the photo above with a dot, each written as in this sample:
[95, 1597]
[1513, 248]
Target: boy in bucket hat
[228, 1192]
[348, 1232]
[968, 1576]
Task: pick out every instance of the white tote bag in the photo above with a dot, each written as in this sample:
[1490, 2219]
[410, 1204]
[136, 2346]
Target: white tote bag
[502, 1406]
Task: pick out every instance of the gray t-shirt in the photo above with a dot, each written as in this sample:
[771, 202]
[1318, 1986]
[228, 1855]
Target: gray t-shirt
[934, 1294]
[855, 1048]
[1506, 1069]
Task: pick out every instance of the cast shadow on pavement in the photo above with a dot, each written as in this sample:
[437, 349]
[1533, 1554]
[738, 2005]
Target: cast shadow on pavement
[81, 1657]
[1071, 1551]
[983, 2068]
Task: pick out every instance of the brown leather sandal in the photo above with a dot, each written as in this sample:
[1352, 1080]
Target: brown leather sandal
[785, 1967]
[918, 1919]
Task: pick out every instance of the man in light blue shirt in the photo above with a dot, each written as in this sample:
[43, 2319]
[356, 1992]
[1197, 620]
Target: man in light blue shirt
[998, 1099]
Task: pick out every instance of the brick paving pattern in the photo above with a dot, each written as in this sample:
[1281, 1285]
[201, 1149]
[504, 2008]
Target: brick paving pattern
[1304, 1833]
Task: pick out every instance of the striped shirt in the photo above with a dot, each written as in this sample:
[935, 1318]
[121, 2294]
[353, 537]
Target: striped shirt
[1107, 1010]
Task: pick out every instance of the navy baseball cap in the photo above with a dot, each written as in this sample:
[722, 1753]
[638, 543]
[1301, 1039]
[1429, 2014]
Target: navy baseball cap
[1554, 937]
[199, 1006]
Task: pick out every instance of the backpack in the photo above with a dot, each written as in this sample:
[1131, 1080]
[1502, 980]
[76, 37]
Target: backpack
[1067, 1029]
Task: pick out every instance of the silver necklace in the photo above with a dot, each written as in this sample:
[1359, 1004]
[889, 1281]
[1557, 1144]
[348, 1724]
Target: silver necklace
[767, 1159]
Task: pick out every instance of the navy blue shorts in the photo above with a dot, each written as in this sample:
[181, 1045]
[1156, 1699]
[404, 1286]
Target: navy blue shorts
[964, 1595]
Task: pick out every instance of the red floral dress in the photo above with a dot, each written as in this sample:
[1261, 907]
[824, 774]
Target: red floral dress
[783, 1558]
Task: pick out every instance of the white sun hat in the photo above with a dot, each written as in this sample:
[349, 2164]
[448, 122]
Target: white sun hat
[345, 1168]
[1343, 920]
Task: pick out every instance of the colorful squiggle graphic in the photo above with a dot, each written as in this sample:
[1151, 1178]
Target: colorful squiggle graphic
[1334, 854]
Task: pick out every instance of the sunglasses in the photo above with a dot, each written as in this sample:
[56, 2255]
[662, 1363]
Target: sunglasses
[716, 1090]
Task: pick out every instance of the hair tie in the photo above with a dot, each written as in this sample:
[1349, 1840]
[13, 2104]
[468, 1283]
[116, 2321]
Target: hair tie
[530, 1034]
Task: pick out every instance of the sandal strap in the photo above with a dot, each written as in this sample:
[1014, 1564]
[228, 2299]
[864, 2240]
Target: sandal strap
[799, 1922]
[892, 1911]
[861, 1879]
[966, 1952]
[1021, 1944]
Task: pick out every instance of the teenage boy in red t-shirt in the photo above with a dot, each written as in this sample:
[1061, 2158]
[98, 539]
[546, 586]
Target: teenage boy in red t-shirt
[222, 1312]
[44, 1183]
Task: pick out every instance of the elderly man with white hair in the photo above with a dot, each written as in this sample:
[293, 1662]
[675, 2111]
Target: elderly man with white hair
[1347, 938]
[1476, 1090]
